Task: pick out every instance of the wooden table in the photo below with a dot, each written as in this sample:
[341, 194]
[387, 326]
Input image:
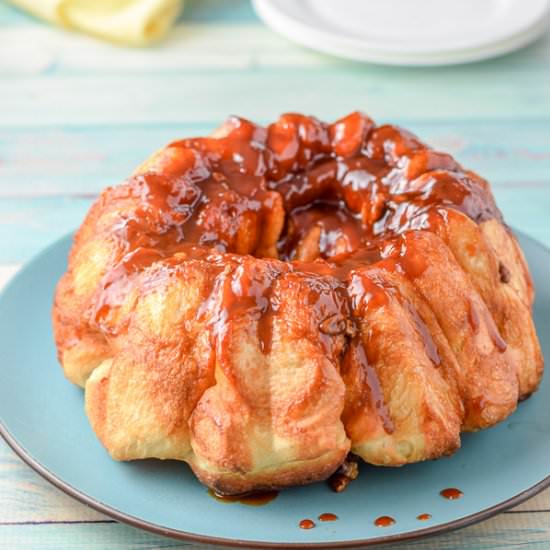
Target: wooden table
[77, 115]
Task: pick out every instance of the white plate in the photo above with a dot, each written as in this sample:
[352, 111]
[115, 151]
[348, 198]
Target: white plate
[408, 32]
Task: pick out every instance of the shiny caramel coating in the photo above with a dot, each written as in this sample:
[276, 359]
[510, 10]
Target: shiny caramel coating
[260, 302]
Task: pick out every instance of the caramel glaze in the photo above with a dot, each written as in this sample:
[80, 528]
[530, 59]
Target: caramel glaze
[474, 320]
[255, 499]
[451, 493]
[328, 516]
[353, 189]
[422, 329]
[306, 524]
[384, 521]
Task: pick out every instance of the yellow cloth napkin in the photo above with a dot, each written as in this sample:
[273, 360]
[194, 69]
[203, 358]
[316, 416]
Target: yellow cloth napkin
[134, 22]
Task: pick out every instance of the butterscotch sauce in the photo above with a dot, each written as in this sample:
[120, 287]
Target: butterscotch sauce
[306, 162]
[384, 521]
[245, 291]
[475, 323]
[390, 143]
[337, 198]
[328, 516]
[254, 499]
[375, 395]
[424, 517]
[336, 229]
[306, 524]
[451, 493]
[429, 345]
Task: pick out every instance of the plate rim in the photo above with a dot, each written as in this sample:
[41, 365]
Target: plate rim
[318, 40]
[177, 534]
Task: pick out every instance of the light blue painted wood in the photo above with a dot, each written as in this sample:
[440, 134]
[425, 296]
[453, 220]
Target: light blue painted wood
[262, 95]
[76, 115]
[29, 224]
[26, 497]
[12, 16]
[208, 11]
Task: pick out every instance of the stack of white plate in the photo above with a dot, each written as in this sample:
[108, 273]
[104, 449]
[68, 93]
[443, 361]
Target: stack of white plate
[408, 32]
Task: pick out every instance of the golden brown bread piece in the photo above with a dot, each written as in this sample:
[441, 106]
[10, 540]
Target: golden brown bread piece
[488, 252]
[220, 402]
[261, 301]
[400, 407]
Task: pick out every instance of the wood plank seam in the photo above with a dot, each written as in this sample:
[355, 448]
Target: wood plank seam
[60, 522]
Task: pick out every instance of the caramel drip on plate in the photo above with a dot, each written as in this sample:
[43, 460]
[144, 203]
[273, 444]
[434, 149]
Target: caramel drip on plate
[384, 521]
[306, 524]
[254, 499]
[451, 493]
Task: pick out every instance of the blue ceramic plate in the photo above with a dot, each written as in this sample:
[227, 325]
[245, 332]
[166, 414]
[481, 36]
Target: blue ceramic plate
[42, 418]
